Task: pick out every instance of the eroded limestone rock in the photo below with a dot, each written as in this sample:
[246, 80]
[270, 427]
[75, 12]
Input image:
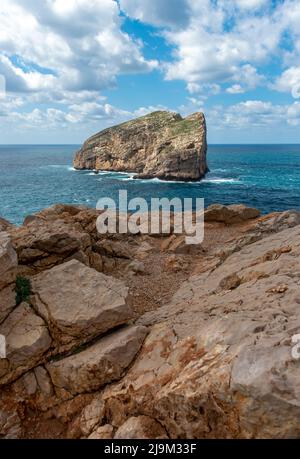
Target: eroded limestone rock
[27, 340]
[161, 144]
[99, 364]
[140, 428]
[229, 215]
[218, 361]
[79, 303]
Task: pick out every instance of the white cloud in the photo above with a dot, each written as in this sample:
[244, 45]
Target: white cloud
[251, 4]
[220, 54]
[235, 89]
[252, 114]
[223, 42]
[293, 114]
[175, 13]
[289, 81]
[80, 42]
[62, 53]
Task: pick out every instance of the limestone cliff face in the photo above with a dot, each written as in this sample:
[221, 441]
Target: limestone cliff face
[161, 144]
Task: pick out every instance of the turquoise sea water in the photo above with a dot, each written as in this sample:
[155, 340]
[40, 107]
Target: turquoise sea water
[35, 177]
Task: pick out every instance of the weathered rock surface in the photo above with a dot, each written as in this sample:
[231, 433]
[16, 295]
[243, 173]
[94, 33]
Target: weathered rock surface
[235, 213]
[5, 224]
[10, 424]
[89, 419]
[105, 432]
[8, 270]
[78, 303]
[8, 261]
[27, 339]
[100, 364]
[7, 301]
[140, 428]
[218, 362]
[46, 242]
[162, 145]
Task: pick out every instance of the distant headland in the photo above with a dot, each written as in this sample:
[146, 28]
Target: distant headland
[160, 145]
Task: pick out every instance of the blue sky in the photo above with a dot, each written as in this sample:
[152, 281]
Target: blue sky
[73, 67]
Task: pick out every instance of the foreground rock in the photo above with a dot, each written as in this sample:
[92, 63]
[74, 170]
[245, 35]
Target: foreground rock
[46, 241]
[5, 225]
[235, 213]
[100, 364]
[8, 270]
[8, 261]
[218, 358]
[162, 145]
[218, 362]
[140, 428]
[27, 340]
[78, 303]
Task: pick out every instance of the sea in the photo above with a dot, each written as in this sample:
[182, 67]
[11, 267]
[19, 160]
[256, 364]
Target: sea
[33, 177]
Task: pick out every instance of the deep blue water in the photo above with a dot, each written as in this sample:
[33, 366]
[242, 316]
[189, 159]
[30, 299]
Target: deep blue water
[34, 177]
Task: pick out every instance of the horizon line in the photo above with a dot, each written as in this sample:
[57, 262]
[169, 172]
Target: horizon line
[78, 144]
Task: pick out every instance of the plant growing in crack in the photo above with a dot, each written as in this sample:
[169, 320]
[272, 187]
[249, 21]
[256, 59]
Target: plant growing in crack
[23, 289]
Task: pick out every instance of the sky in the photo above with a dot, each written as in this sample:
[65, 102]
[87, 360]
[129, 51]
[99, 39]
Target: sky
[69, 68]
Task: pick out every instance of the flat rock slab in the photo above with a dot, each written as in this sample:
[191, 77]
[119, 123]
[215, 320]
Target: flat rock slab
[78, 302]
[27, 339]
[100, 364]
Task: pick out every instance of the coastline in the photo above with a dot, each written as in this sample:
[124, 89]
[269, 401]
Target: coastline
[189, 317]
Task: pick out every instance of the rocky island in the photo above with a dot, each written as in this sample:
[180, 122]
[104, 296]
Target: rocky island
[159, 145]
[143, 336]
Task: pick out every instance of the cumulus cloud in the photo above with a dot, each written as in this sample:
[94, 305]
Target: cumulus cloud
[175, 13]
[223, 42]
[251, 4]
[62, 54]
[293, 114]
[78, 44]
[289, 81]
[254, 113]
[235, 89]
[223, 53]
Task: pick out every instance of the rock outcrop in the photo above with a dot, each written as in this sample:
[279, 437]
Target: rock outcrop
[79, 303]
[27, 340]
[8, 271]
[99, 364]
[218, 362]
[235, 213]
[198, 344]
[162, 145]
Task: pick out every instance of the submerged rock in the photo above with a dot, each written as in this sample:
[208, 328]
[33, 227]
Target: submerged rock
[161, 144]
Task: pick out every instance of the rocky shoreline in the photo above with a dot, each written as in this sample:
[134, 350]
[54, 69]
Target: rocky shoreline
[159, 145]
[140, 336]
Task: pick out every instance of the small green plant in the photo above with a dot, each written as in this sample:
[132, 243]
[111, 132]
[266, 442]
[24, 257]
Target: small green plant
[23, 289]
